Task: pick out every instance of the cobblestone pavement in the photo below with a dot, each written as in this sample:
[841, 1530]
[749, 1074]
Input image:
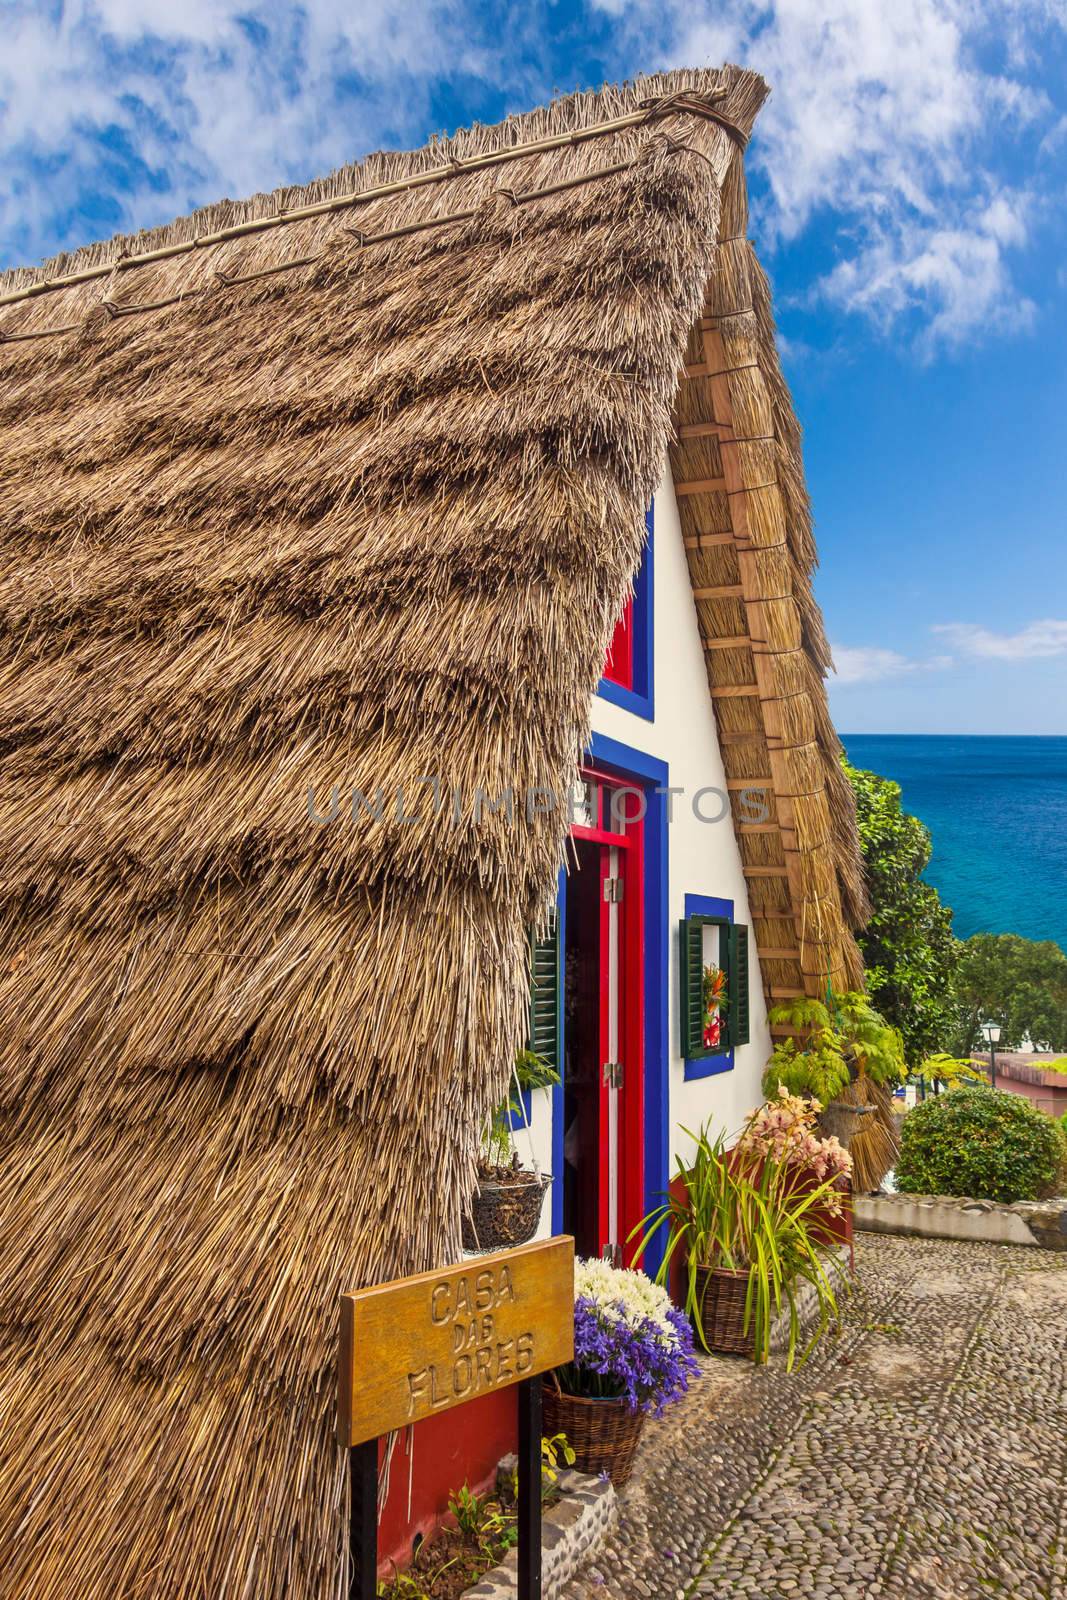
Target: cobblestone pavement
[921, 1454]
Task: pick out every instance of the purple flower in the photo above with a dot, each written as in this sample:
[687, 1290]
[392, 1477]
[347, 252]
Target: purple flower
[641, 1361]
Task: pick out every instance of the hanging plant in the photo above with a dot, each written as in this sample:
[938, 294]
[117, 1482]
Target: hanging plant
[837, 1043]
[505, 1208]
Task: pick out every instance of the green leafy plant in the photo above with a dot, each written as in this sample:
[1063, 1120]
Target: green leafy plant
[836, 1041]
[909, 951]
[1019, 983]
[466, 1507]
[411, 1586]
[981, 1142]
[950, 1070]
[484, 1522]
[759, 1215]
[871, 1045]
[532, 1071]
[552, 1452]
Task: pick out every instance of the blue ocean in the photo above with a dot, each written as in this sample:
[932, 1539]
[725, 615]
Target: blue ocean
[997, 810]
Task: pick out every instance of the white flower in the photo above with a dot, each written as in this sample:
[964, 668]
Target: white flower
[622, 1294]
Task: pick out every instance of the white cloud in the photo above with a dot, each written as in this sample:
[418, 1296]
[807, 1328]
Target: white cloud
[1037, 641]
[870, 664]
[896, 119]
[212, 97]
[904, 125]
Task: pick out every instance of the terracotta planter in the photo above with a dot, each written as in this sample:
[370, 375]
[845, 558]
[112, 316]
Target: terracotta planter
[604, 1434]
[721, 1308]
[505, 1214]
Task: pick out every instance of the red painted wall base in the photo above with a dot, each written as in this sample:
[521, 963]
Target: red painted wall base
[439, 1456]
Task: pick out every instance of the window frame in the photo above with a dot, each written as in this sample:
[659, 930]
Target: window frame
[639, 697]
[714, 911]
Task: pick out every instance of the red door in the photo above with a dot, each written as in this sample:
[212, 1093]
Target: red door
[603, 1079]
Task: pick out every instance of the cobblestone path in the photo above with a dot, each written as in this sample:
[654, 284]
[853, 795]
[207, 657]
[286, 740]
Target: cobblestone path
[921, 1455]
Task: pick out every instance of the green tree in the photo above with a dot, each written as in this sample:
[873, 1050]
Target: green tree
[978, 1141]
[1020, 983]
[908, 947]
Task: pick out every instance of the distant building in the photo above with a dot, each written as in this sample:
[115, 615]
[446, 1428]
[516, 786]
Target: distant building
[1022, 1072]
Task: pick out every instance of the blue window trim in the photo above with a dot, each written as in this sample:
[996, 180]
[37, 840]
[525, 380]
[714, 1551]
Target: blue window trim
[650, 774]
[641, 699]
[518, 1120]
[707, 905]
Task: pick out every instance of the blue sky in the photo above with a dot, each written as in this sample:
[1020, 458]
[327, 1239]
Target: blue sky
[908, 179]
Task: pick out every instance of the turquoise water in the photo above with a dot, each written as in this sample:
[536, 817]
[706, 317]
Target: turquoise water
[997, 809]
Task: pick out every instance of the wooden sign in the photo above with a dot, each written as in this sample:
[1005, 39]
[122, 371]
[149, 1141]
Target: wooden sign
[421, 1345]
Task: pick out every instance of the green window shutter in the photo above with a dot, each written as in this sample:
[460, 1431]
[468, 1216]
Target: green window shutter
[737, 978]
[544, 995]
[691, 965]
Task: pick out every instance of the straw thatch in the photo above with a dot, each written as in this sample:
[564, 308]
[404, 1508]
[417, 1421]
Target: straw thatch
[746, 519]
[357, 522]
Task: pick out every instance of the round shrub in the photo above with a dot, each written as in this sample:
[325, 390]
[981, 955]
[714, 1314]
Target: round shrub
[980, 1142]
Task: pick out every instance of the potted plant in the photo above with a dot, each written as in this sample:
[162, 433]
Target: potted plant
[753, 1225]
[633, 1354]
[846, 1056]
[506, 1206]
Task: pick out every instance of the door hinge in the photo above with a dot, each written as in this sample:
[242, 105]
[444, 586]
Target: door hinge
[613, 890]
[613, 1254]
[613, 1074]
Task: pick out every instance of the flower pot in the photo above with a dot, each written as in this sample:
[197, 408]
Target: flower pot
[505, 1213]
[720, 1298]
[604, 1434]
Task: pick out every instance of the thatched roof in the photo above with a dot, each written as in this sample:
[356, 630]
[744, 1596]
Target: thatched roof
[358, 520]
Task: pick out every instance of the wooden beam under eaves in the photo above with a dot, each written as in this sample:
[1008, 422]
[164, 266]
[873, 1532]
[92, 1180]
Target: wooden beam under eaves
[701, 486]
[720, 591]
[708, 541]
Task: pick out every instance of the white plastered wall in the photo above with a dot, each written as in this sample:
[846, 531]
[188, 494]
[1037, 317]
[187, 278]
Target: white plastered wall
[703, 857]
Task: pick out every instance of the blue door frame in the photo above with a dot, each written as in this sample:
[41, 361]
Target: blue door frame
[652, 776]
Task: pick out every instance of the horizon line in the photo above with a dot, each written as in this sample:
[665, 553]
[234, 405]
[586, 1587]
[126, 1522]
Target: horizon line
[894, 733]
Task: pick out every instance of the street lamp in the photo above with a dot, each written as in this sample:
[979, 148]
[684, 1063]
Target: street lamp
[991, 1030]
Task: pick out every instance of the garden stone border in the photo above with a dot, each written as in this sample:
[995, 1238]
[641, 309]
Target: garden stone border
[570, 1531]
[1028, 1222]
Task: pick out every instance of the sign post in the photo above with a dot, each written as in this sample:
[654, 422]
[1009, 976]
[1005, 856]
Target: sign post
[421, 1345]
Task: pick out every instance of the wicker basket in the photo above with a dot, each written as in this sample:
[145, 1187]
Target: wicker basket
[721, 1301]
[603, 1434]
[505, 1214]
